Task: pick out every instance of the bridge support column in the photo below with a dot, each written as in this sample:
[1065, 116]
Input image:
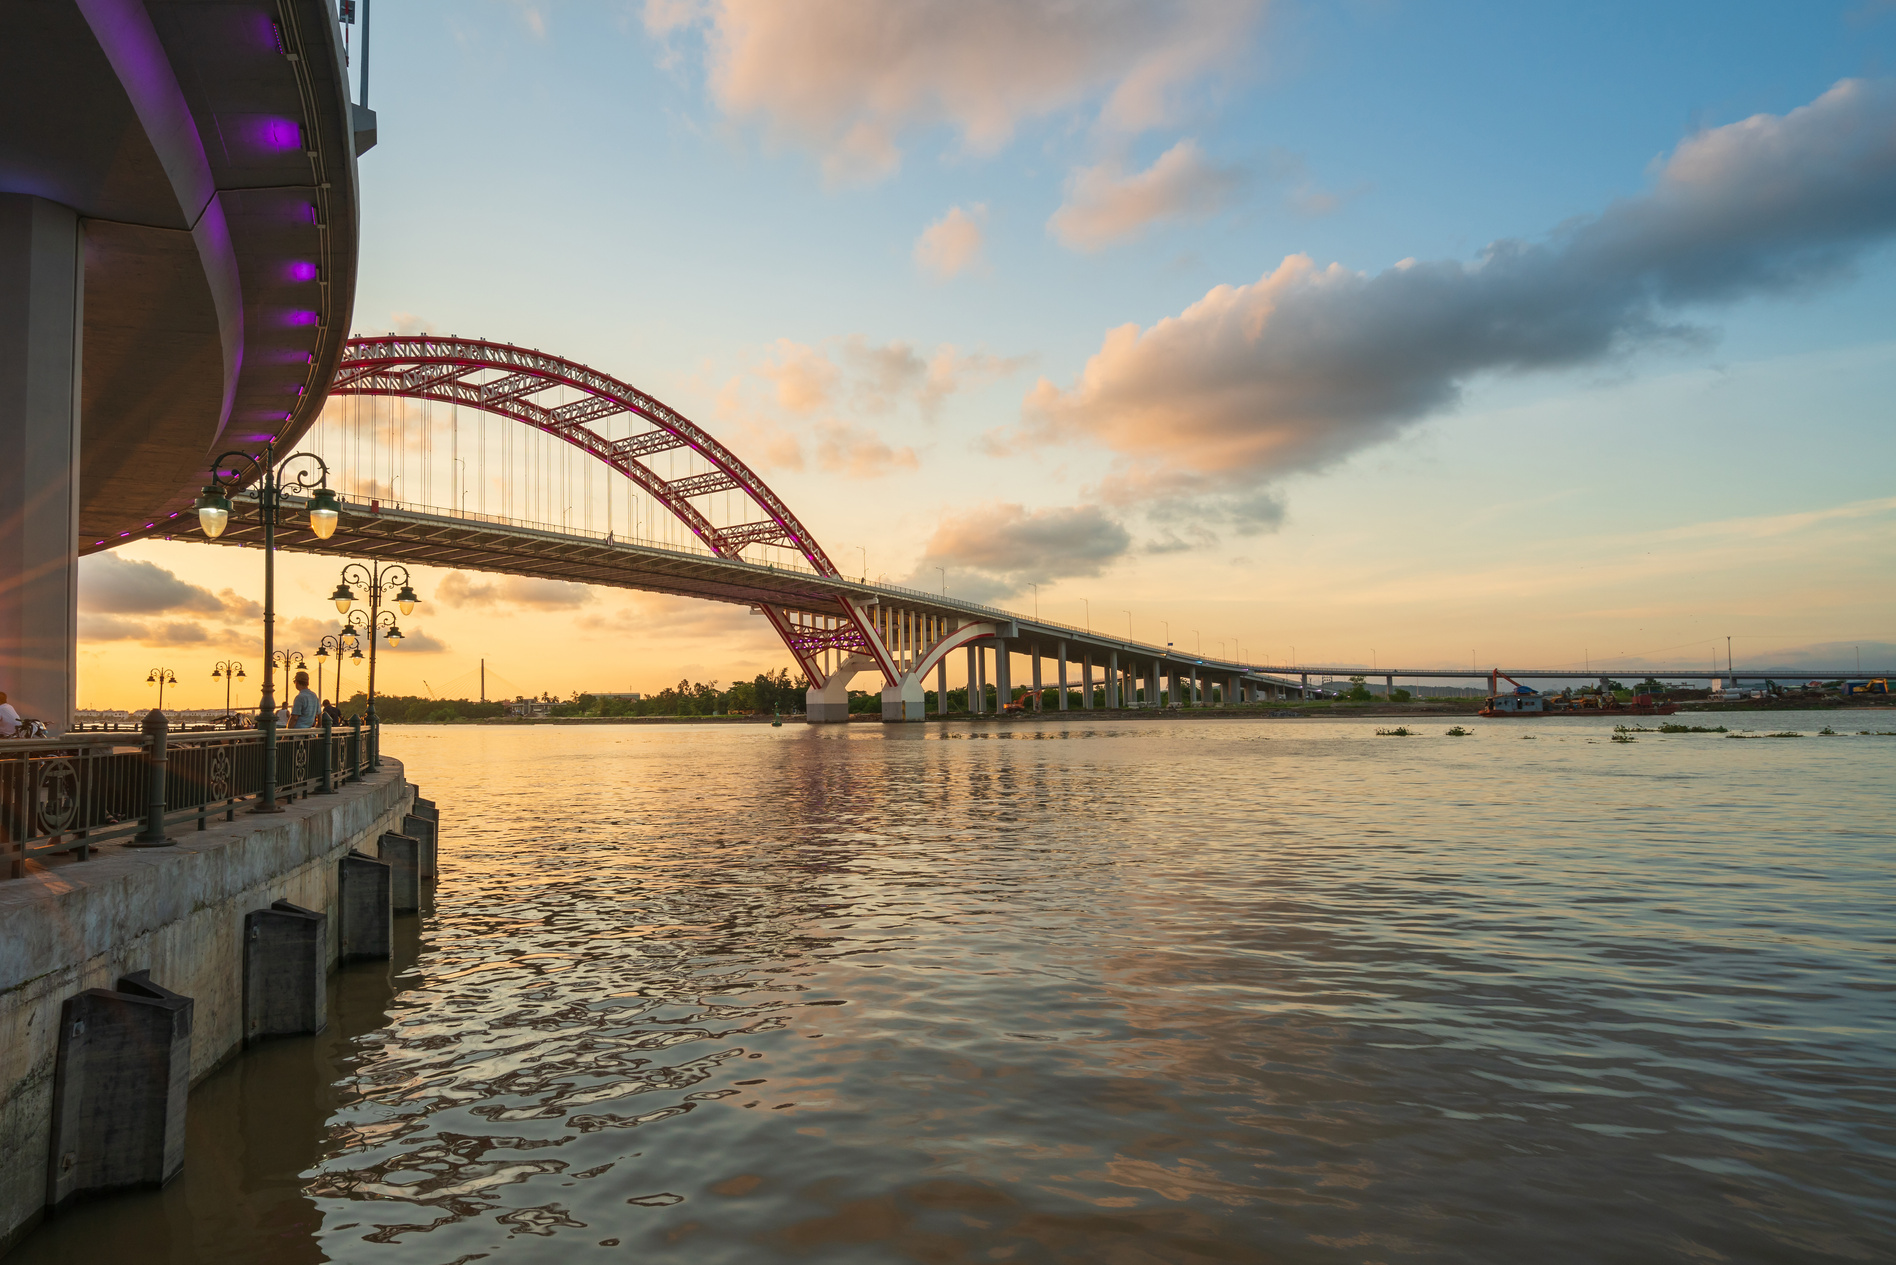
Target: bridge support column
[1063, 676]
[42, 310]
[941, 686]
[1113, 684]
[1037, 685]
[828, 704]
[905, 701]
[1003, 676]
[1303, 685]
[1086, 681]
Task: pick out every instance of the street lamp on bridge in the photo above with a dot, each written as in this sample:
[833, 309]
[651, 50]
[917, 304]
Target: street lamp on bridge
[227, 670]
[289, 661]
[213, 507]
[161, 677]
[338, 643]
[375, 580]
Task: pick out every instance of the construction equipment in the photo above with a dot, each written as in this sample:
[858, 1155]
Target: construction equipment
[1875, 685]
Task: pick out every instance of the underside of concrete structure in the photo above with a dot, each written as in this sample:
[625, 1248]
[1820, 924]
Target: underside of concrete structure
[178, 219]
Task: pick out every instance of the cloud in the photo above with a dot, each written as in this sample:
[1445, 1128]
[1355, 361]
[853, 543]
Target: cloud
[407, 323]
[94, 627]
[415, 641]
[1310, 363]
[1104, 205]
[997, 550]
[804, 376]
[858, 452]
[114, 585]
[458, 589]
[952, 244]
[847, 78]
[817, 382]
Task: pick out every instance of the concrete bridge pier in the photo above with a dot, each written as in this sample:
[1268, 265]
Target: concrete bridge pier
[42, 311]
[1003, 676]
[907, 699]
[1037, 686]
[1063, 676]
[1086, 681]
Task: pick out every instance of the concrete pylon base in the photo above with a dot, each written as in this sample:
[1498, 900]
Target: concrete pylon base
[286, 965]
[120, 1084]
[826, 713]
[905, 703]
[402, 854]
[367, 923]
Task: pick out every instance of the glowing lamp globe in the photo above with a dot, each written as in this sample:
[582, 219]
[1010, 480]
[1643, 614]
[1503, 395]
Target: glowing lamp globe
[213, 509]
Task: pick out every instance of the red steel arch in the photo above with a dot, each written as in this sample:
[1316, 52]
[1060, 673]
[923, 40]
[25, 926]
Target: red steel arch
[455, 371]
[450, 370]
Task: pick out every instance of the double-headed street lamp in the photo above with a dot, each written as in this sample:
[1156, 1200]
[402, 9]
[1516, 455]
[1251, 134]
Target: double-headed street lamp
[338, 643]
[230, 471]
[228, 670]
[376, 580]
[161, 677]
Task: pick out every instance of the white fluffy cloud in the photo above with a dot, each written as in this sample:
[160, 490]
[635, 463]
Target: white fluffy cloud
[1105, 205]
[952, 244]
[1310, 363]
[848, 78]
[110, 584]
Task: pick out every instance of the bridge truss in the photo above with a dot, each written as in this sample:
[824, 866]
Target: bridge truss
[504, 380]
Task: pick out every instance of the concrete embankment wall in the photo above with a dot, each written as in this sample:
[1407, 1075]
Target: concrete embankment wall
[177, 912]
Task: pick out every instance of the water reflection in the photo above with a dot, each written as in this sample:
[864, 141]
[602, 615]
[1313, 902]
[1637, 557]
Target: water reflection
[1091, 992]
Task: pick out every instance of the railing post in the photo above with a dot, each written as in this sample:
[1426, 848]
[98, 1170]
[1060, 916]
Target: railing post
[153, 835]
[355, 748]
[328, 744]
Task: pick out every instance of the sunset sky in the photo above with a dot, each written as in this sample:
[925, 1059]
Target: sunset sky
[1428, 334]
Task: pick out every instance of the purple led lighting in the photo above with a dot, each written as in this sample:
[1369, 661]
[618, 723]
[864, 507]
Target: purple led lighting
[124, 534]
[174, 514]
[149, 526]
[280, 135]
[98, 542]
[299, 317]
[302, 270]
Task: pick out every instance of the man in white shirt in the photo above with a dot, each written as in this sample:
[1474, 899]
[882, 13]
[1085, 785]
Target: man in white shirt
[9, 718]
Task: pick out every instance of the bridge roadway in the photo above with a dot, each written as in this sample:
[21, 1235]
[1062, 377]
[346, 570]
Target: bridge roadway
[805, 600]
[913, 631]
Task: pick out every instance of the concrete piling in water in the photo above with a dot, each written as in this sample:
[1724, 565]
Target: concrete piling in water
[423, 829]
[402, 853]
[364, 903]
[286, 969]
[120, 1081]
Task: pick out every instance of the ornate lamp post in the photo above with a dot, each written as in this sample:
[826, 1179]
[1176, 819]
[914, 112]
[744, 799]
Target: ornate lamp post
[232, 470]
[339, 644]
[161, 677]
[375, 580]
[227, 669]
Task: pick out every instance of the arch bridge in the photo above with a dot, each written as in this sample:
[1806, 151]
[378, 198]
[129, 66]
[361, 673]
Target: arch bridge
[728, 536]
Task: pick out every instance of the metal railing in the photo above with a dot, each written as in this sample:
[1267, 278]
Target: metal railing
[71, 794]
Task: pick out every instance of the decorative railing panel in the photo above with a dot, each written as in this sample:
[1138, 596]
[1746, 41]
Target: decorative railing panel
[71, 794]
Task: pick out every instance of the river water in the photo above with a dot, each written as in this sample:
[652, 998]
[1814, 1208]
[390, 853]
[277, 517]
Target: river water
[1091, 991]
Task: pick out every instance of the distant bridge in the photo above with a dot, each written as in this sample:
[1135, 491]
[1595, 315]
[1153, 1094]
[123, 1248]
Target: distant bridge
[761, 556]
[729, 537]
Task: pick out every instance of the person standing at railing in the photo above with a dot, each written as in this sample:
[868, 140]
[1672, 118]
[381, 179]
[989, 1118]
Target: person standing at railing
[9, 718]
[304, 710]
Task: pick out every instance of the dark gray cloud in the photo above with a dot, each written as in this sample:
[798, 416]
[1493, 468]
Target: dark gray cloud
[113, 585]
[996, 551]
[1309, 364]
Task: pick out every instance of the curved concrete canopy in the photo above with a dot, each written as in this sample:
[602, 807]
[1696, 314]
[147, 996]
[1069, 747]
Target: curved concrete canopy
[208, 150]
